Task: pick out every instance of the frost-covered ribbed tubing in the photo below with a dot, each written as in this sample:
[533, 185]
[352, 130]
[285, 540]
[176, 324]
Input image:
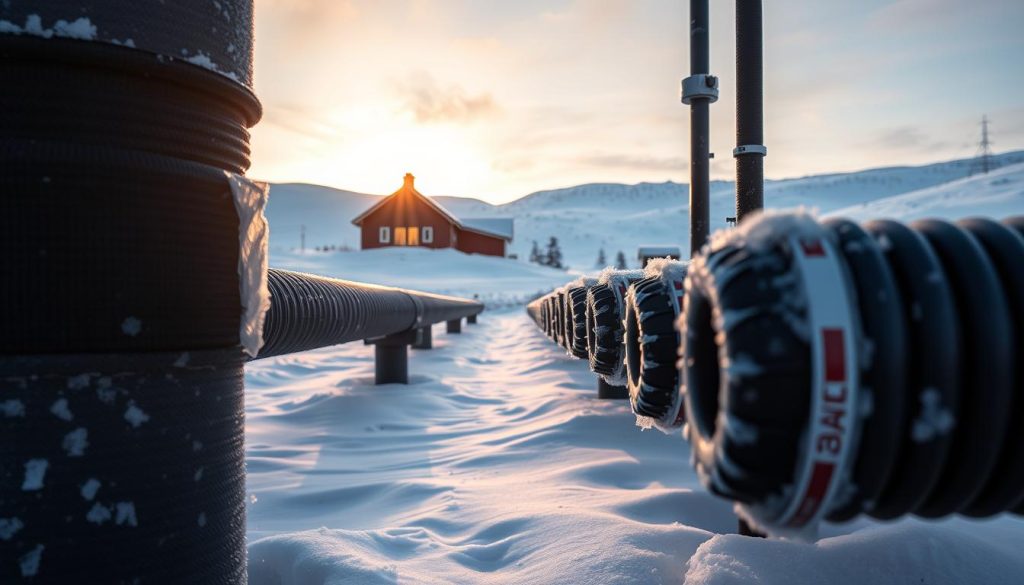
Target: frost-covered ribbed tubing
[576, 317]
[651, 343]
[939, 309]
[606, 306]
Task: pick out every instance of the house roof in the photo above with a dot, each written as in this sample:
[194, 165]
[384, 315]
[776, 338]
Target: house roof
[495, 227]
[658, 251]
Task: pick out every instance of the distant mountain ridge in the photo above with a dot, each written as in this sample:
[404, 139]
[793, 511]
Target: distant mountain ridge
[612, 216]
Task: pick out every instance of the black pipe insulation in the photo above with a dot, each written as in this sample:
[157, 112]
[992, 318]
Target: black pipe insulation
[123, 466]
[116, 200]
[121, 383]
[898, 394]
[606, 309]
[750, 150]
[307, 311]
[576, 319]
[651, 343]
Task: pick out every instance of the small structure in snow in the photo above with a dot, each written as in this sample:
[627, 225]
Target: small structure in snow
[647, 253]
[410, 218]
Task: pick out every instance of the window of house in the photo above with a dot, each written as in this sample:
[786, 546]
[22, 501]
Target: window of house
[400, 236]
[414, 236]
[428, 234]
[384, 235]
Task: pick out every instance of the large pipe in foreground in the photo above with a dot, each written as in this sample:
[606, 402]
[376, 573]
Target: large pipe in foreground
[750, 150]
[699, 90]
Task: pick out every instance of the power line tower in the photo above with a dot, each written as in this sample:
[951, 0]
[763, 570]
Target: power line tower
[983, 161]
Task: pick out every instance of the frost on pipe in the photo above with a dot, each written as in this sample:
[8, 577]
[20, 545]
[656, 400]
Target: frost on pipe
[576, 317]
[606, 308]
[832, 370]
[651, 343]
[535, 309]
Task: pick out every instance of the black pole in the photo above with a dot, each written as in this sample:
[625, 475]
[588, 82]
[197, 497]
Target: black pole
[699, 90]
[750, 150]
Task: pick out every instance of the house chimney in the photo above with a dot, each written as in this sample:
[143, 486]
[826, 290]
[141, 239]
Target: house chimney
[408, 181]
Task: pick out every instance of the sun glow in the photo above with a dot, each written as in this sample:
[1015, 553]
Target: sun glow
[366, 148]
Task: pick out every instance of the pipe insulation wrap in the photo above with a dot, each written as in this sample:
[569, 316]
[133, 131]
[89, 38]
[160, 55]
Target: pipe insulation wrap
[651, 343]
[937, 313]
[118, 202]
[123, 468]
[576, 317]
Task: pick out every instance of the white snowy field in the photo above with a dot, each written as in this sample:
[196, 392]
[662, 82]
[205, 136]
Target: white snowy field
[497, 464]
[495, 281]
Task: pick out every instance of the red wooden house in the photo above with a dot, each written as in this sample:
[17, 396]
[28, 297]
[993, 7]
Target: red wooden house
[410, 218]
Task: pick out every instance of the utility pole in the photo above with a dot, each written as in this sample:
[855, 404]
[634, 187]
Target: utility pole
[984, 158]
[302, 238]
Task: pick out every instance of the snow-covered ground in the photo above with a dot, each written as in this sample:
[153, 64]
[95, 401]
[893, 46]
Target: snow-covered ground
[497, 464]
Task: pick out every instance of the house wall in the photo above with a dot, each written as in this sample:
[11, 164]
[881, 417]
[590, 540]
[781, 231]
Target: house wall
[406, 210]
[474, 243]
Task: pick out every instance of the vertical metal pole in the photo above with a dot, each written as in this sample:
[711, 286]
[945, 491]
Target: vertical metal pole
[391, 363]
[608, 392]
[750, 150]
[699, 90]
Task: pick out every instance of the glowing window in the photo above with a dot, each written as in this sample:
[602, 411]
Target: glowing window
[399, 236]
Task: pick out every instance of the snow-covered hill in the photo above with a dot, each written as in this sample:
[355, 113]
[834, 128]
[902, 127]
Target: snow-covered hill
[615, 217]
[998, 194]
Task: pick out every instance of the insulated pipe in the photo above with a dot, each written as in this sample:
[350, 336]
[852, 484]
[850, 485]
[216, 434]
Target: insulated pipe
[750, 150]
[606, 309]
[699, 91]
[307, 311]
[879, 374]
[123, 129]
[651, 344]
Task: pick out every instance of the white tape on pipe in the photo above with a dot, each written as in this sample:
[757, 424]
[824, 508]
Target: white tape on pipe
[250, 199]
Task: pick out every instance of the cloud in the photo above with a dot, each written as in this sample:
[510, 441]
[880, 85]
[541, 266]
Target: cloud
[634, 162]
[430, 102]
[907, 138]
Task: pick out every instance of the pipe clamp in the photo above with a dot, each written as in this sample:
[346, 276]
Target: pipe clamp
[750, 149]
[700, 86]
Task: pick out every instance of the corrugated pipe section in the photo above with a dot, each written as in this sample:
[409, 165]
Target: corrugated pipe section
[905, 398]
[307, 311]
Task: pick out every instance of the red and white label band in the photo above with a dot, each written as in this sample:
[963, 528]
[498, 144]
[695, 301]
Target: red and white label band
[834, 385]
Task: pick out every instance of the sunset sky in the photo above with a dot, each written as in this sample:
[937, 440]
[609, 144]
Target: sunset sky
[498, 98]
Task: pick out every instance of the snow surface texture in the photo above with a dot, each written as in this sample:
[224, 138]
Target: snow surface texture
[497, 464]
[618, 217]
